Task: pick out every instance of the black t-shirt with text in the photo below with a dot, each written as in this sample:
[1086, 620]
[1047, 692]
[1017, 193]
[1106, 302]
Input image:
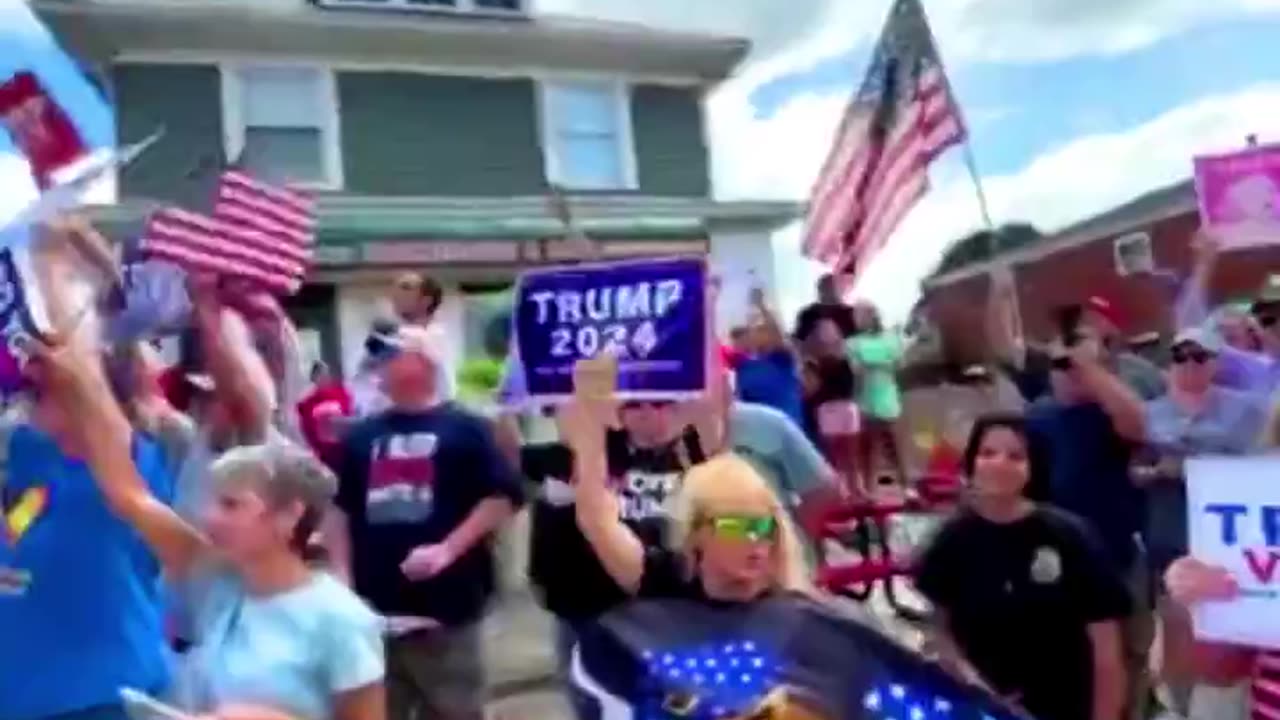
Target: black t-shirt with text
[410, 479]
[568, 577]
[1019, 598]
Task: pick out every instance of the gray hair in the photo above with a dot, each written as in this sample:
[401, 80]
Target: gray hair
[283, 472]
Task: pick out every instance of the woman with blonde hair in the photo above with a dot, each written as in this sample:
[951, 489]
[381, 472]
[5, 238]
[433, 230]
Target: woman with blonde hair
[731, 537]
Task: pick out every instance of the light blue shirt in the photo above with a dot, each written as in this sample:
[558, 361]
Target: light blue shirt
[292, 652]
[778, 448]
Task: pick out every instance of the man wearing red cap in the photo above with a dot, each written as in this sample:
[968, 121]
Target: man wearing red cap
[1097, 317]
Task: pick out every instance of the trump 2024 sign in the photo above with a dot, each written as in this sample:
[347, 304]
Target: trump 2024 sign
[1233, 506]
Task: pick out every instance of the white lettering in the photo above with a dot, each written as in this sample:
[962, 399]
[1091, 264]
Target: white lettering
[668, 296]
[632, 301]
[569, 307]
[597, 302]
[543, 300]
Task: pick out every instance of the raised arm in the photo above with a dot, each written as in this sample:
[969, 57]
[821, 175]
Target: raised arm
[75, 378]
[227, 358]
[582, 426]
[777, 339]
[1118, 400]
[1003, 326]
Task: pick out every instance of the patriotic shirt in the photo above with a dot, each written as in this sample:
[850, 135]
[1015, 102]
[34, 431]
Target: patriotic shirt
[1265, 695]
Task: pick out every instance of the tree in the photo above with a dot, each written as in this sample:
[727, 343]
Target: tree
[977, 247]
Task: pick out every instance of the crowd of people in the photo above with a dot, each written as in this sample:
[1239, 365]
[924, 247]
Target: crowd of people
[204, 534]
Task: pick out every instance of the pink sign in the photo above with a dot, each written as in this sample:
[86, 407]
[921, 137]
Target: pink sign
[1239, 196]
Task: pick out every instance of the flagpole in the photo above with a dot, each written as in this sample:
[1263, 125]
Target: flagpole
[970, 160]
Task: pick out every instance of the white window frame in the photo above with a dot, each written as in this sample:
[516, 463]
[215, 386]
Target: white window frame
[549, 136]
[469, 7]
[1147, 265]
[329, 124]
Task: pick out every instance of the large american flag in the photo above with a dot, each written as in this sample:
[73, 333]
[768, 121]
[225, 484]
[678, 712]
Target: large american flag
[901, 119]
[260, 233]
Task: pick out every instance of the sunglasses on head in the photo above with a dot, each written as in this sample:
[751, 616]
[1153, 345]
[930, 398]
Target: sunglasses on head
[1196, 355]
[754, 528]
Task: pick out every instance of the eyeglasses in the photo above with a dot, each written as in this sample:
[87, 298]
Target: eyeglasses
[744, 527]
[1199, 357]
[1061, 363]
[654, 404]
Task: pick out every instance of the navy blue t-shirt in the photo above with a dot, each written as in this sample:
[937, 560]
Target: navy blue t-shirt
[772, 379]
[410, 479]
[1089, 472]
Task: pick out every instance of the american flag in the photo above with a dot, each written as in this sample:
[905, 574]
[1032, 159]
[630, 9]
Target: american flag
[260, 233]
[902, 118]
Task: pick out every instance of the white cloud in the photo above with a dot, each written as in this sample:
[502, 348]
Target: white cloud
[1038, 30]
[778, 156]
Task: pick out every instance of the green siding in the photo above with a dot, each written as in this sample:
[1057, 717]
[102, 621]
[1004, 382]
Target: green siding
[186, 101]
[671, 155]
[412, 134]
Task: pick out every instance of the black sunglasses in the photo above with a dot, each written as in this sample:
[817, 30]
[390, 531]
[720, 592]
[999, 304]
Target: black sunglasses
[1199, 357]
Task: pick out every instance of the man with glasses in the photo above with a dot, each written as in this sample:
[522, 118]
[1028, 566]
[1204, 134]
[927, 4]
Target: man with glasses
[1089, 427]
[1028, 366]
[1196, 417]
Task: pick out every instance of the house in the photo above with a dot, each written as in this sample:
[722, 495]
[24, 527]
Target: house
[1135, 255]
[429, 130]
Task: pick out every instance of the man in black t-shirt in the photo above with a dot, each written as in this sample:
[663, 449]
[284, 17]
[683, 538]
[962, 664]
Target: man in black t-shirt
[423, 489]
[828, 307]
[647, 458]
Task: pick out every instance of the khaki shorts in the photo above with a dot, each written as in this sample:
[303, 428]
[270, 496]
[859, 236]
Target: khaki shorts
[436, 675]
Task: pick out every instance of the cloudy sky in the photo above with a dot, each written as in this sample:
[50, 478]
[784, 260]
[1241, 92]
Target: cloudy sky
[1073, 105]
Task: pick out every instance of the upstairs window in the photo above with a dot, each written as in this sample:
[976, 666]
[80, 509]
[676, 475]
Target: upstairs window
[281, 124]
[586, 135]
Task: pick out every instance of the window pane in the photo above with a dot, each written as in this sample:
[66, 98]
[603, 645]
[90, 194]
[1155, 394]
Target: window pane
[590, 163]
[284, 154]
[435, 3]
[583, 108]
[498, 4]
[282, 97]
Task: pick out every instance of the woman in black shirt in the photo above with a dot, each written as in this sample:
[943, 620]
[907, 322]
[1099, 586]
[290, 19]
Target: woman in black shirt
[1025, 602]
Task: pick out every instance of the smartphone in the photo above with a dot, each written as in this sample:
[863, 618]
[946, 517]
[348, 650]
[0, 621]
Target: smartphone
[140, 706]
[1068, 321]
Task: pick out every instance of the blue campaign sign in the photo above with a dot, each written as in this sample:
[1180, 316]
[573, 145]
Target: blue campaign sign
[650, 314]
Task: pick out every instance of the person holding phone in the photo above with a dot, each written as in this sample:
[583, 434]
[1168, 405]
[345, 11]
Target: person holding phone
[1090, 427]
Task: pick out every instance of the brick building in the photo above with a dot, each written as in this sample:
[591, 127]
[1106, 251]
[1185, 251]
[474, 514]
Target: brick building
[1134, 254]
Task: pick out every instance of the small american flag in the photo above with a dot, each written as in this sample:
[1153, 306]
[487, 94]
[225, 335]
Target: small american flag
[902, 118]
[260, 233]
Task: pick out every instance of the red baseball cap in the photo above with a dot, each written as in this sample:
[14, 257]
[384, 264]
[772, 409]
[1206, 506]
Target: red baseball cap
[1106, 309]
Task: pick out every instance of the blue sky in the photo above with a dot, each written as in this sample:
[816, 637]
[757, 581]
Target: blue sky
[1056, 138]
[1016, 110]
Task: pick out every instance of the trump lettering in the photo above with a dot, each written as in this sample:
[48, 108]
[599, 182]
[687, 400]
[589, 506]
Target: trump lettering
[1261, 561]
[617, 319]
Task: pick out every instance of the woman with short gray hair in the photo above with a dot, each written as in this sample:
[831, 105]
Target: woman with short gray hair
[271, 631]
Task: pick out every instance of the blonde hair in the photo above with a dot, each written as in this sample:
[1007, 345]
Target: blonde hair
[727, 482]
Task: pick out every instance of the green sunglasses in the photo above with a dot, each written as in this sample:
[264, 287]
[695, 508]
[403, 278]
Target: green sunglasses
[754, 528]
